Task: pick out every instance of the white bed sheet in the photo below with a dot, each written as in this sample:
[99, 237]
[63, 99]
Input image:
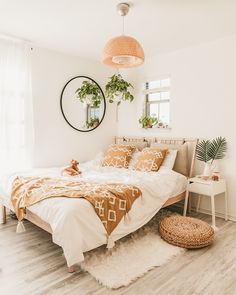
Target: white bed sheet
[74, 222]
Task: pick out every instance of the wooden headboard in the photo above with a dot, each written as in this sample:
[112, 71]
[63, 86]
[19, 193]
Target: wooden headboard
[191, 142]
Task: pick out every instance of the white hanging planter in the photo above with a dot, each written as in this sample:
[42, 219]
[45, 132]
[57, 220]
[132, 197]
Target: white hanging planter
[88, 99]
[118, 97]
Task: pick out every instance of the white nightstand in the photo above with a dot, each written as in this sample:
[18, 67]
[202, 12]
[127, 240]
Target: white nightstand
[208, 188]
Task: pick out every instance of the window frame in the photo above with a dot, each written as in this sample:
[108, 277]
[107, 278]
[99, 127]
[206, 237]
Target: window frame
[146, 91]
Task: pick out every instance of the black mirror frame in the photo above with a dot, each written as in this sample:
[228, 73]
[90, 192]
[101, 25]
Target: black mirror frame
[64, 113]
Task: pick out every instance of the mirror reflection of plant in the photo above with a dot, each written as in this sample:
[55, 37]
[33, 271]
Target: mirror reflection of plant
[117, 90]
[89, 93]
[148, 121]
[93, 122]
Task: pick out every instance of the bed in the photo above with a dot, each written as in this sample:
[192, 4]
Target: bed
[63, 217]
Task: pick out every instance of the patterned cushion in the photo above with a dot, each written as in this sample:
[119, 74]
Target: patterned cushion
[150, 159]
[118, 155]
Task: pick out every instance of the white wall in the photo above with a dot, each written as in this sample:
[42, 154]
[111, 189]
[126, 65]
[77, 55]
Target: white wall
[56, 143]
[203, 101]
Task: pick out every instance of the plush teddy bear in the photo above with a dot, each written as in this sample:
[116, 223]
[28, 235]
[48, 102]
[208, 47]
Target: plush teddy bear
[73, 169]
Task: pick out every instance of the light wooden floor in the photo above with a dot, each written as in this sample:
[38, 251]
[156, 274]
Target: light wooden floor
[31, 264]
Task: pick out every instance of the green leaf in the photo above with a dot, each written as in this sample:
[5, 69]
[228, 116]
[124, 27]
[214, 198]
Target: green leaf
[217, 149]
[202, 151]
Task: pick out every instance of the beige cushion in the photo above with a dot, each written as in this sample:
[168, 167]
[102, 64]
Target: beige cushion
[118, 155]
[170, 158]
[150, 159]
[181, 162]
[139, 145]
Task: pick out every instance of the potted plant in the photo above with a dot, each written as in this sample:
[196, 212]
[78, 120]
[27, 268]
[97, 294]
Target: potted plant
[208, 151]
[148, 121]
[89, 94]
[92, 123]
[117, 90]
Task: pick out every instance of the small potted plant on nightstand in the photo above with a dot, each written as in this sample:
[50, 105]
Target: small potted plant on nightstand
[208, 151]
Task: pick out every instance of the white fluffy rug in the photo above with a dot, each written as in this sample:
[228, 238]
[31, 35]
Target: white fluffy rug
[131, 257]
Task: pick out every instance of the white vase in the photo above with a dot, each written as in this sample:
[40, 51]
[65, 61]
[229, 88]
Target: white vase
[207, 169]
[215, 166]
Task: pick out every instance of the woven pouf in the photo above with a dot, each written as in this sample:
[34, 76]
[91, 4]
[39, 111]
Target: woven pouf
[186, 232]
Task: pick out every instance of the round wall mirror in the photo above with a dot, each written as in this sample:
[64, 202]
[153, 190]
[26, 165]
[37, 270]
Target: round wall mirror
[83, 104]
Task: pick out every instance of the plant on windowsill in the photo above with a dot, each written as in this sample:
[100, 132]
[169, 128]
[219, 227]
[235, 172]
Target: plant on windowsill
[89, 94]
[208, 151]
[118, 90]
[148, 121]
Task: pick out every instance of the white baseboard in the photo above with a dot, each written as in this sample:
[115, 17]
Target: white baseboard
[206, 211]
[221, 215]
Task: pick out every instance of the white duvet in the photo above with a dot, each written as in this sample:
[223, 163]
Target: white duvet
[76, 226]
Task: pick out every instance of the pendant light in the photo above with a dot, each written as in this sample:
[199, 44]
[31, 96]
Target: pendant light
[123, 51]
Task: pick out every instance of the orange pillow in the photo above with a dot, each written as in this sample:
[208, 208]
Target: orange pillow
[150, 159]
[118, 155]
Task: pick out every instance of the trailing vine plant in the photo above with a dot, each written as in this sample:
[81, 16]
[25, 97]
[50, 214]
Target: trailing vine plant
[118, 90]
[89, 93]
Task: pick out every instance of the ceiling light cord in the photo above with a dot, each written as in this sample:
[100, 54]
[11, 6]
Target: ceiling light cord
[123, 25]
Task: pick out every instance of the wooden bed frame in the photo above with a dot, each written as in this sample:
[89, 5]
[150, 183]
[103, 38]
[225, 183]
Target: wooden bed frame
[192, 143]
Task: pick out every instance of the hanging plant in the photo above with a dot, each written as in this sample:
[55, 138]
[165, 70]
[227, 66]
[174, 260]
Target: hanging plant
[118, 90]
[89, 94]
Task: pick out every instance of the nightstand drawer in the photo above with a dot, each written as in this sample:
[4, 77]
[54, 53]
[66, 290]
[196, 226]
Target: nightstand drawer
[200, 188]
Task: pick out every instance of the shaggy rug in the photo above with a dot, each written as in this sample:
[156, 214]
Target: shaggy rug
[132, 256]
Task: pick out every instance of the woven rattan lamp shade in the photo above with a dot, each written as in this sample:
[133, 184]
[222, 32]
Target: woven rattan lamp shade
[123, 52]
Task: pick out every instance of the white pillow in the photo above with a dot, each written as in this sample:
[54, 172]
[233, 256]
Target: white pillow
[169, 160]
[94, 163]
[134, 159]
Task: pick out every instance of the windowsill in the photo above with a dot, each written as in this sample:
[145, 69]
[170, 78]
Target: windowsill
[157, 128]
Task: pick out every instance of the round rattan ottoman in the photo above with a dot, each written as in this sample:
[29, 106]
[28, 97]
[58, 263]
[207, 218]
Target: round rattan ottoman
[186, 232]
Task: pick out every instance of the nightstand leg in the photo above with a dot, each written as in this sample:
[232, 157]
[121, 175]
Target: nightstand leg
[189, 203]
[226, 207]
[198, 202]
[213, 212]
[186, 203]
[3, 214]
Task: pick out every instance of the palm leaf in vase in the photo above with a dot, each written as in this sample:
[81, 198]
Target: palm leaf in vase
[217, 149]
[202, 151]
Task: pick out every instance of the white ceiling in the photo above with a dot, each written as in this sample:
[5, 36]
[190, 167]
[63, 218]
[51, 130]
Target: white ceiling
[82, 27]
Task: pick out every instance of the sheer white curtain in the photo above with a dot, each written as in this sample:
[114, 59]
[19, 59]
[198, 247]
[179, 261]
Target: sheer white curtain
[16, 115]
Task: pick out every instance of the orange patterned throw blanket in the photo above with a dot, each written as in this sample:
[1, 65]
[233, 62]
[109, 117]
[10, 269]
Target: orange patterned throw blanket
[110, 201]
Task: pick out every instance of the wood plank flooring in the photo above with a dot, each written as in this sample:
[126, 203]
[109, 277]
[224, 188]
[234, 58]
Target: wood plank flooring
[31, 264]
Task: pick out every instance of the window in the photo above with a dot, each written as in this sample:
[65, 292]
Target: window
[157, 101]
[16, 128]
